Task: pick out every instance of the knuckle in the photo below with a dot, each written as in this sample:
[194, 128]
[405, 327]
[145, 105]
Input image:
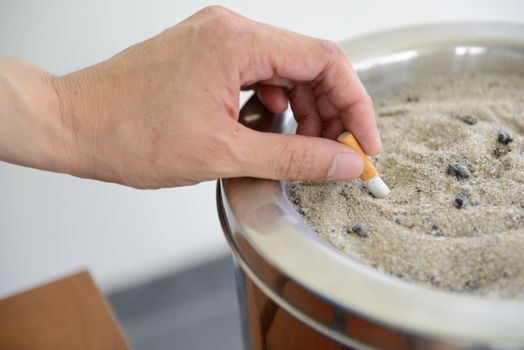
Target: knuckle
[216, 10]
[298, 161]
[222, 14]
[221, 21]
[332, 47]
[215, 29]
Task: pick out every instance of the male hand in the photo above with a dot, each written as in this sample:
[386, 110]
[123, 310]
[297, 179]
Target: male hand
[164, 112]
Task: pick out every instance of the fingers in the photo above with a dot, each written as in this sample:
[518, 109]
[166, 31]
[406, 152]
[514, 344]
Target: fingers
[305, 111]
[332, 124]
[344, 90]
[287, 55]
[293, 157]
[333, 128]
[273, 97]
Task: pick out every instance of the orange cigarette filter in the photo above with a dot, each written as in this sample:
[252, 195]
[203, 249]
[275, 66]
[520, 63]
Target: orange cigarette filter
[369, 175]
[349, 140]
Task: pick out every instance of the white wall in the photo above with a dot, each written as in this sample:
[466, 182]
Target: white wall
[52, 224]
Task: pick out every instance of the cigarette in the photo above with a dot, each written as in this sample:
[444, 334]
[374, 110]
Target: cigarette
[373, 182]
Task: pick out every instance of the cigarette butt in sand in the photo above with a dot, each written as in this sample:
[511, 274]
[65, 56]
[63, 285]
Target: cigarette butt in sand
[374, 183]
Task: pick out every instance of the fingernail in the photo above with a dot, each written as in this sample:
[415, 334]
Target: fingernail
[347, 165]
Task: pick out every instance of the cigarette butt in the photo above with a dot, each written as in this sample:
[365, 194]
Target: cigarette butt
[374, 183]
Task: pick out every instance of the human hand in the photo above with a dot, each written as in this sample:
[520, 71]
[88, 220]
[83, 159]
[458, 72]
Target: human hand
[164, 112]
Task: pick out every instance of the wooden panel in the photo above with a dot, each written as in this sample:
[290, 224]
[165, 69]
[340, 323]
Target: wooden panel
[66, 314]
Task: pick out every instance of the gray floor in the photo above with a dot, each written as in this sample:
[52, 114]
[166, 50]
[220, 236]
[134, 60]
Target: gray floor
[193, 309]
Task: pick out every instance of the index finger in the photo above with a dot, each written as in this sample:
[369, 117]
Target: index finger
[323, 64]
[343, 88]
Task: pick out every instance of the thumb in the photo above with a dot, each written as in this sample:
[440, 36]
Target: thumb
[295, 157]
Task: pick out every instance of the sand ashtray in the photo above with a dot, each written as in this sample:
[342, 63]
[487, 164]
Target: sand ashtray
[440, 261]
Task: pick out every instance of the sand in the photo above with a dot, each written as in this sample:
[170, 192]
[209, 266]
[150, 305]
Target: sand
[459, 229]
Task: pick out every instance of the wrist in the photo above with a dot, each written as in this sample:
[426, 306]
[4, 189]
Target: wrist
[32, 130]
[79, 94]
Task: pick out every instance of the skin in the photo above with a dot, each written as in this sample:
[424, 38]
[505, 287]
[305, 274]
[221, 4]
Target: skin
[164, 112]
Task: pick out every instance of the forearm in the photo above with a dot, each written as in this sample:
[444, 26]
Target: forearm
[32, 132]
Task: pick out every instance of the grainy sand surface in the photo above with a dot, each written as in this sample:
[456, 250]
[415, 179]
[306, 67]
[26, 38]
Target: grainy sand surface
[459, 229]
